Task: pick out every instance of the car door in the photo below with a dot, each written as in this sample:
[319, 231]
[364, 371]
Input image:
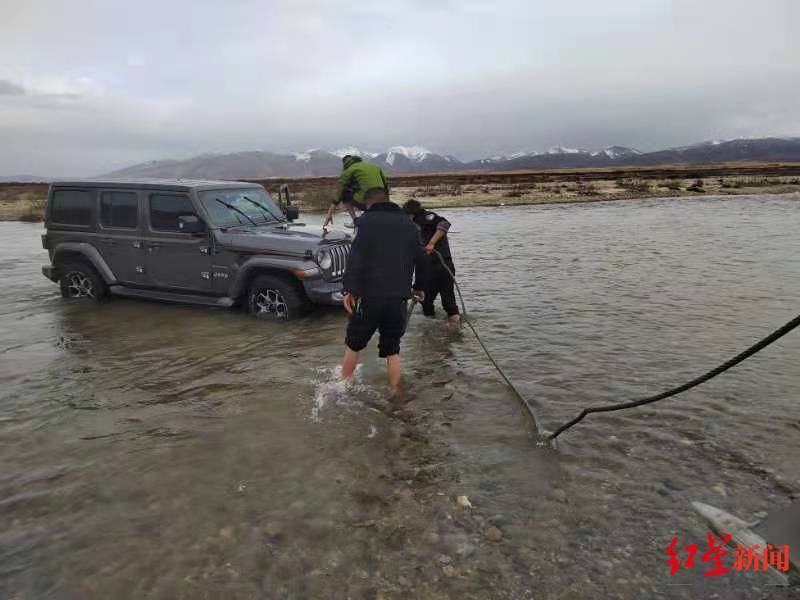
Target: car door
[119, 231]
[175, 260]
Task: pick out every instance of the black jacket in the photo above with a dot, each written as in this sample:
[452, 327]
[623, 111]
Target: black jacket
[384, 255]
[428, 222]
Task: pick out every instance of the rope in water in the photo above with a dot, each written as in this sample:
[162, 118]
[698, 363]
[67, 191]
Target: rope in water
[465, 318]
[411, 311]
[775, 335]
[755, 348]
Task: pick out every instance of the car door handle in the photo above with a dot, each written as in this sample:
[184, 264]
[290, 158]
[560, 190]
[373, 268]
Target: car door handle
[109, 241]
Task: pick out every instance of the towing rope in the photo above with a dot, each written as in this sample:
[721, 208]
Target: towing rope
[755, 348]
[775, 335]
[410, 312]
[465, 318]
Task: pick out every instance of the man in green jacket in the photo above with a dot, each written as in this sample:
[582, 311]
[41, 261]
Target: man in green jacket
[358, 183]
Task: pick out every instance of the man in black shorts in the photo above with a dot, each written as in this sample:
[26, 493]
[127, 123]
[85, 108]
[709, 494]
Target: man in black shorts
[384, 257]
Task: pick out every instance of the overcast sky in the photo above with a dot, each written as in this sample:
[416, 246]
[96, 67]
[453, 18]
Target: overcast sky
[89, 86]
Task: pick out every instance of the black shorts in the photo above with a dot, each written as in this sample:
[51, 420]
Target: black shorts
[386, 315]
[355, 204]
[349, 200]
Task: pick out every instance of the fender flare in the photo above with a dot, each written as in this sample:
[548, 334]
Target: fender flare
[271, 263]
[91, 254]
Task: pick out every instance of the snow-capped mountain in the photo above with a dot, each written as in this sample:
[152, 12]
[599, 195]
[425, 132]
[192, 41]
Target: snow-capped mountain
[313, 162]
[305, 156]
[504, 157]
[552, 155]
[617, 152]
[563, 150]
[353, 151]
[558, 157]
[416, 159]
[721, 151]
[412, 153]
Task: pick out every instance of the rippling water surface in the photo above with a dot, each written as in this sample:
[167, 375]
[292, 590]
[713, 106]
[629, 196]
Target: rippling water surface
[158, 451]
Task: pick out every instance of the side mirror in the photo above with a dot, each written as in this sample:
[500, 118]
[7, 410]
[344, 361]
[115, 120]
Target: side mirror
[292, 212]
[191, 224]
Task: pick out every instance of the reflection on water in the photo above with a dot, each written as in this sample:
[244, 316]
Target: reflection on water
[164, 451]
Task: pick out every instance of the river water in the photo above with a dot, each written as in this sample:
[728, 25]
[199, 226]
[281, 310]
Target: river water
[159, 451]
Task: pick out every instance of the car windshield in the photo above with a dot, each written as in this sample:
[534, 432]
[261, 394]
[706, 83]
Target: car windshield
[250, 206]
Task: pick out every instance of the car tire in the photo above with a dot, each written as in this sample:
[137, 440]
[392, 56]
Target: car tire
[79, 281]
[275, 298]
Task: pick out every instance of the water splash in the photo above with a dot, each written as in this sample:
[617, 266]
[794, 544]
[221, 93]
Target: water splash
[332, 391]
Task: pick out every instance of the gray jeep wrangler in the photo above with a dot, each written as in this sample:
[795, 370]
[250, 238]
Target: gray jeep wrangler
[218, 243]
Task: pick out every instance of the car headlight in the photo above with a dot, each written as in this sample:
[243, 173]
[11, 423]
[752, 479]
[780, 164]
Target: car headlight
[324, 259]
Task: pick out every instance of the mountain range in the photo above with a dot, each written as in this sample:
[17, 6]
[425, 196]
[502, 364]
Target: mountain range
[416, 159]
[311, 163]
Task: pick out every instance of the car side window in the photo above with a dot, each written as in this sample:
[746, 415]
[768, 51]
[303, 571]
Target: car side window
[119, 209]
[71, 207]
[166, 208]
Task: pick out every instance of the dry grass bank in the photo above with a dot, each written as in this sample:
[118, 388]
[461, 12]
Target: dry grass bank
[598, 190]
[578, 185]
[449, 190]
[22, 201]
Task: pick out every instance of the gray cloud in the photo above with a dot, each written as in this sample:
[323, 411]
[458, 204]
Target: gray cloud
[9, 88]
[106, 84]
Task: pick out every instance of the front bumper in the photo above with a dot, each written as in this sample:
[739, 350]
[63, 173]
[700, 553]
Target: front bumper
[323, 292]
[49, 271]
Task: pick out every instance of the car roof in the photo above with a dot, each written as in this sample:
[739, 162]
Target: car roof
[147, 183]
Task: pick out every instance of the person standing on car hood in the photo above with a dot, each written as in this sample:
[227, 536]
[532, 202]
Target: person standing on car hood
[384, 256]
[358, 179]
[433, 230]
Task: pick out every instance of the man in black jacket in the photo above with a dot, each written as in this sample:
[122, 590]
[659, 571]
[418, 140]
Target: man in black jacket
[433, 230]
[385, 254]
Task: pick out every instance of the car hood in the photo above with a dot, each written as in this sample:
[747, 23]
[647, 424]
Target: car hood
[279, 239]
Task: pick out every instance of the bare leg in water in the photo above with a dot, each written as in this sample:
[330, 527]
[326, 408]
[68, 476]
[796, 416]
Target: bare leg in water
[393, 370]
[350, 362]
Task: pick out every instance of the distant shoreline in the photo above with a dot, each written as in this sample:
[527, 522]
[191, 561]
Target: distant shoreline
[445, 204]
[24, 216]
[464, 190]
[26, 201]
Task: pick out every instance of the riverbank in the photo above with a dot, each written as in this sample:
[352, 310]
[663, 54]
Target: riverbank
[26, 202]
[600, 191]
[22, 201]
[465, 190]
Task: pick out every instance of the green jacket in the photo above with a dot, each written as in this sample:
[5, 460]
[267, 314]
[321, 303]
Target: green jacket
[358, 178]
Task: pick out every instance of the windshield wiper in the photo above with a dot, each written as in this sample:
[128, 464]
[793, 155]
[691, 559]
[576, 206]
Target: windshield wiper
[263, 208]
[241, 212]
[266, 216]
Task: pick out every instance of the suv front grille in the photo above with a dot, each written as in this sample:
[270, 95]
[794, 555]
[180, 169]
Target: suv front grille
[339, 254]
